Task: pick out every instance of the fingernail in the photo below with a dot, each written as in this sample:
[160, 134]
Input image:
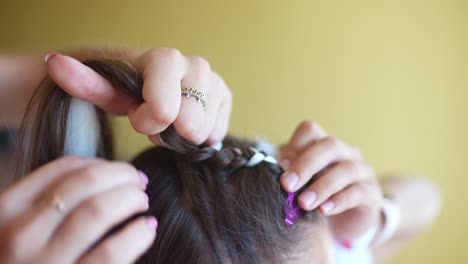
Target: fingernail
[152, 222]
[308, 198]
[328, 206]
[143, 177]
[49, 56]
[284, 163]
[290, 180]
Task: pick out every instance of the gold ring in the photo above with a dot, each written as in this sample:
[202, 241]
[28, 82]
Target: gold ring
[58, 204]
[199, 95]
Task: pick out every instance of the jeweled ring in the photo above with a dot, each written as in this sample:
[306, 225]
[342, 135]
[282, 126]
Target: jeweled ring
[58, 204]
[199, 95]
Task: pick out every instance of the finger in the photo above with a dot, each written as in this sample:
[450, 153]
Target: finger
[208, 121]
[92, 219]
[82, 82]
[148, 119]
[127, 245]
[331, 182]
[163, 70]
[314, 159]
[27, 190]
[216, 96]
[192, 116]
[221, 124]
[351, 197]
[306, 133]
[42, 219]
[356, 153]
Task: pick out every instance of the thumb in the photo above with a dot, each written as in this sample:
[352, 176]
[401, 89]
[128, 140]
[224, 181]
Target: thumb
[82, 82]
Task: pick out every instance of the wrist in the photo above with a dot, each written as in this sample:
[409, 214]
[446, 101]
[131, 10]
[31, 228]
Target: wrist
[389, 221]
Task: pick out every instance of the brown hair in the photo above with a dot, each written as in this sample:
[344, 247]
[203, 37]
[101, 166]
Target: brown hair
[210, 207]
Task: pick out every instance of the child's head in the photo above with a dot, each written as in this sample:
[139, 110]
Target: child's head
[211, 208]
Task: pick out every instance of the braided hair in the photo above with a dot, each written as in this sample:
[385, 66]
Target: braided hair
[211, 208]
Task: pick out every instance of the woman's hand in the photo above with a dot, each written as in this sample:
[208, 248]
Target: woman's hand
[165, 71]
[342, 185]
[60, 213]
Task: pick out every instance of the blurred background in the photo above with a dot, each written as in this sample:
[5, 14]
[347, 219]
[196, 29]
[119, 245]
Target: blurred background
[388, 76]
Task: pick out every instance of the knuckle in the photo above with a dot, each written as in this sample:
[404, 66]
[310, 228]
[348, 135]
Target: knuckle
[95, 209]
[333, 142]
[221, 84]
[164, 114]
[168, 54]
[189, 131]
[90, 175]
[308, 126]
[306, 161]
[128, 169]
[352, 166]
[200, 64]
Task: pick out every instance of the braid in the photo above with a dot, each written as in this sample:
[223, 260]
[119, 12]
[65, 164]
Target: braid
[210, 207]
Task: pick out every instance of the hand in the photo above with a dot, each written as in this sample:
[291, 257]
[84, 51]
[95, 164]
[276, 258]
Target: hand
[165, 72]
[342, 185]
[60, 213]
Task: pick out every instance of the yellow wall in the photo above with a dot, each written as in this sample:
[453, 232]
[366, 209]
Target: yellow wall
[390, 77]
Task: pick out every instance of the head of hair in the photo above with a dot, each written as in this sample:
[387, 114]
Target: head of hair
[211, 208]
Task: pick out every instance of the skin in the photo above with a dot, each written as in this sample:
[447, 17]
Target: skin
[165, 71]
[31, 230]
[348, 193]
[317, 247]
[346, 190]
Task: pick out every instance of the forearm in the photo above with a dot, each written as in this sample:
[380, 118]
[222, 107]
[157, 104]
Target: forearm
[418, 201]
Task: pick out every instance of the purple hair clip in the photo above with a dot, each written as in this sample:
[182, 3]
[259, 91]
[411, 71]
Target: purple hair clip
[291, 211]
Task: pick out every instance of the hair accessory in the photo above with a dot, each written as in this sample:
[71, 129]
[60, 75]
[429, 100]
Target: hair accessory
[259, 157]
[217, 146]
[265, 146]
[291, 211]
[82, 136]
[199, 95]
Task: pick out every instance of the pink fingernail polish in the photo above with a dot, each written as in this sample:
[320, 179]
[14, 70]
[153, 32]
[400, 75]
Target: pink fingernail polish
[152, 222]
[290, 180]
[49, 56]
[143, 177]
[346, 244]
[328, 206]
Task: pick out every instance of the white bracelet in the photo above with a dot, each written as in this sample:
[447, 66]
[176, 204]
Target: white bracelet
[391, 214]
